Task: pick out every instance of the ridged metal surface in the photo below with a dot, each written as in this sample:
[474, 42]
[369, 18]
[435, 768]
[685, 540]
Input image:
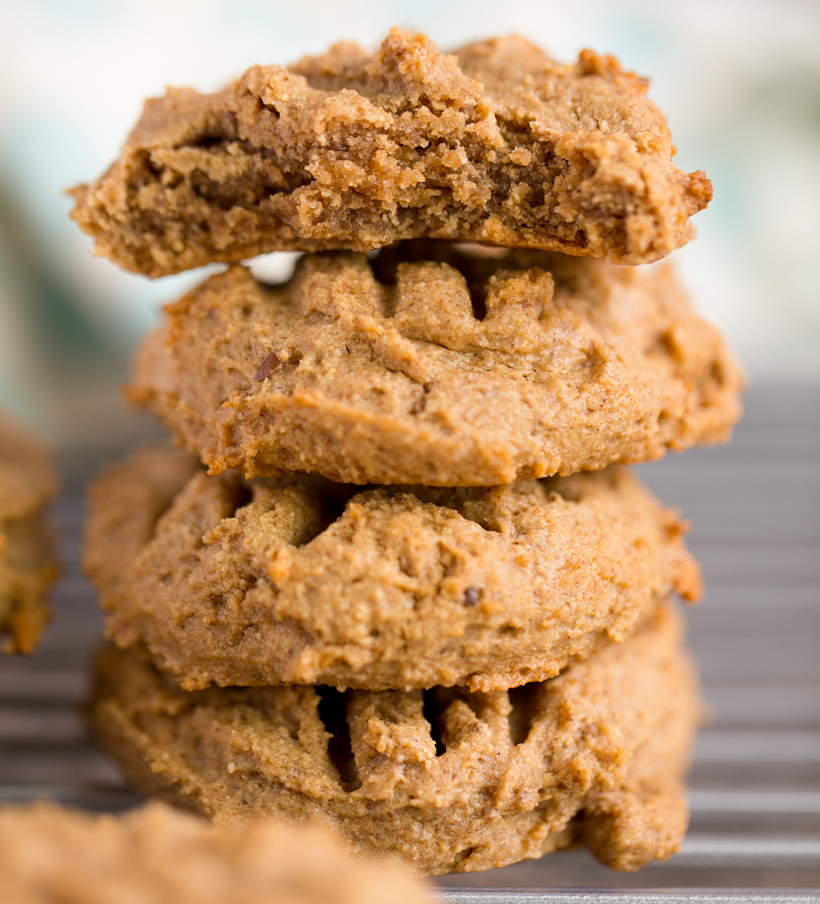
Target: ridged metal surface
[755, 786]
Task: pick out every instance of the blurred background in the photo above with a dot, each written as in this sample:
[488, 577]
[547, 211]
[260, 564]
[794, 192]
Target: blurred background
[738, 81]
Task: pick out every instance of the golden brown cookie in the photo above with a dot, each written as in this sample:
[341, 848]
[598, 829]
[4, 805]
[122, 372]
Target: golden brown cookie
[497, 143]
[28, 483]
[440, 367]
[157, 855]
[299, 581]
[451, 780]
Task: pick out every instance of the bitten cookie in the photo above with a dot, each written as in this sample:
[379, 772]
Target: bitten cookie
[428, 365]
[299, 581]
[497, 143]
[27, 484]
[157, 855]
[451, 780]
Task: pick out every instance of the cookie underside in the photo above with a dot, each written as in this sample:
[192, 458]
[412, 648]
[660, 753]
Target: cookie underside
[27, 567]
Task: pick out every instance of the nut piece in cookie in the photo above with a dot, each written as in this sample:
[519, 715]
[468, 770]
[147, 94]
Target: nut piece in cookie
[28, 482]
[448, 779]
[496, 143]
[49, 853]
[430, 365]
[299, 581]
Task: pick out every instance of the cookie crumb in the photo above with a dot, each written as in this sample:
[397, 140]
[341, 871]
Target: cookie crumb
[269, 365]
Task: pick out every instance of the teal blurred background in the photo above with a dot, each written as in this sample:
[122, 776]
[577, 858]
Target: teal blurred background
[738, 81]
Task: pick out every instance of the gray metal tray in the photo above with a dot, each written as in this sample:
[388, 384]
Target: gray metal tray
[755, 786]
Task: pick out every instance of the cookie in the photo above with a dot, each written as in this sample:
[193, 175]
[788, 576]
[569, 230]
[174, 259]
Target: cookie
[497, 143]
[451, 780]
[157, 855]
[299, 581]
[28, 483]
[429, 365]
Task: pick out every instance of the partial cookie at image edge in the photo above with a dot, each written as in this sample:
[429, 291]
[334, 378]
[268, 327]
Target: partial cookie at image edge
[162, 856]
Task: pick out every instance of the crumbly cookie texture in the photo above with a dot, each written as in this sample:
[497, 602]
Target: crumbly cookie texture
[28, 482]
[300, 581]
[497, 143]
[436, 366]
[157, 855]
[450, 780]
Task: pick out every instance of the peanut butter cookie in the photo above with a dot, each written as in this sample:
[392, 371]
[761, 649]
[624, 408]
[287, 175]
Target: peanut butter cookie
[497, 143]
[429, 365]
[27, 484]
[299, 581]
[451, 780]
[157, 855]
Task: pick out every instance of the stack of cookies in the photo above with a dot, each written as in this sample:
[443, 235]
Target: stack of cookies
[380, 607]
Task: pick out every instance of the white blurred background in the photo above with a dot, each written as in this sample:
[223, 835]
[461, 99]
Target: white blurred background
[738, 81]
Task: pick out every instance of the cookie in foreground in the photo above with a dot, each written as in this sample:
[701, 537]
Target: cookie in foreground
[161, 856]
[299, 581]
[430, 365]
[28, 482]
[448, 779]
[497, 143]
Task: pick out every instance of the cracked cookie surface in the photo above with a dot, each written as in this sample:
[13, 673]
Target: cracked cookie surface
[28, 482]
[497, 143]
[431, 365]
[55, 855]
[450, 780]
[299, 581]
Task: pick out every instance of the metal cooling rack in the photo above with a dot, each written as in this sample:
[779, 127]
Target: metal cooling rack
[755, 786]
